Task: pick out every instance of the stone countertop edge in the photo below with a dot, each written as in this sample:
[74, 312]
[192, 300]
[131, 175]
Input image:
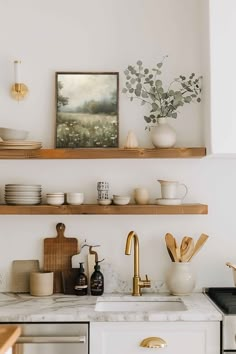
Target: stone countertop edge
[16, 308]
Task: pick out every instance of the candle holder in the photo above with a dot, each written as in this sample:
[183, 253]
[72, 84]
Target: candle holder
[18, 90]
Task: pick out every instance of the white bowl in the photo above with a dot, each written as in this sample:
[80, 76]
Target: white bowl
[13, 134]
[104, 201]
[121, 199]
[75, 198]
[56, 200]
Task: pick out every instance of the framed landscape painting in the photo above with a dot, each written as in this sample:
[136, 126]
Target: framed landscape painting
[87, 109]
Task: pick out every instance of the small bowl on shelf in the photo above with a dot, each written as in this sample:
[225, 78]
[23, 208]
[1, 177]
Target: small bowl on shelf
[121, 199]
[55, 198]
[104, 201]
[75, 198]
[13, 134]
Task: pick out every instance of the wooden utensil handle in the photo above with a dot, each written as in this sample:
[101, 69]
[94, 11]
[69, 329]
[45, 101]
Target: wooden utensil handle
[60, 230]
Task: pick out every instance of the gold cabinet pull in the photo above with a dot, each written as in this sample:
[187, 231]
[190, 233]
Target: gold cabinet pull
[153, 342]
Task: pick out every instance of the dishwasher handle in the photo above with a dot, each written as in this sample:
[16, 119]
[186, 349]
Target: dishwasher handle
[51, 339]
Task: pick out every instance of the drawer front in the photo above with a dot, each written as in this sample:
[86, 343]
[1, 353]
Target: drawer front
[180, 338]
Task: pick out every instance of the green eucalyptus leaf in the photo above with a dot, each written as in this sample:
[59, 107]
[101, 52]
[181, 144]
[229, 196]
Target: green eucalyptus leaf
[154, 107]
[158, 72]
[159, 65]
[139, 62]
[139, 86]
[146, 71]
[174, 115]
[144, 94]
[137, 92]
[188, 99]
[158, 83]
[124, 90]
[131, 90]
[132, 81]
[147, 119]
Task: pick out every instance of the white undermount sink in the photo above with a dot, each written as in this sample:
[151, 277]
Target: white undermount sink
[140, 305]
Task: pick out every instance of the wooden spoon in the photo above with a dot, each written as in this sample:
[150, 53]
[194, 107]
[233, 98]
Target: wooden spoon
[188, 251]
[184, 244]
[170, 244]
[233, 266]
[177, 250]
[200, 242]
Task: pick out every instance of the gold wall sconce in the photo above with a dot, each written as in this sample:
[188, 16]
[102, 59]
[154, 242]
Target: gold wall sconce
[18, 89]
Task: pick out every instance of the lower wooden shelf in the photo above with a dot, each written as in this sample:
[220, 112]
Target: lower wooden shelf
[93, 209]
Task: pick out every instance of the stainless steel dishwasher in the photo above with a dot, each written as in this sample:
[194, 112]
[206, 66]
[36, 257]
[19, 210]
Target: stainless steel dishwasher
[53, 338]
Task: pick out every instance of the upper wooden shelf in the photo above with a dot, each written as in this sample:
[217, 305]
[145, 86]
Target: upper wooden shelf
[114, 153]
[92, 209]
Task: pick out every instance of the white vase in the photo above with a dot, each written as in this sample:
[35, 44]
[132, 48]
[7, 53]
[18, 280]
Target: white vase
[180, 279]
[163, 135]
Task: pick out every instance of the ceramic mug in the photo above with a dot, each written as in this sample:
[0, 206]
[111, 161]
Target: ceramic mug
[41, 283]
[141, 195]
[171, 190]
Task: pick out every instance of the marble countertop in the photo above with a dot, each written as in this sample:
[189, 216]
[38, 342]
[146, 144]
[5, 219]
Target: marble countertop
[70, 308]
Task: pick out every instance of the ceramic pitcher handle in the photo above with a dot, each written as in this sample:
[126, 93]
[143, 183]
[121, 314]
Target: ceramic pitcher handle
[186, 190]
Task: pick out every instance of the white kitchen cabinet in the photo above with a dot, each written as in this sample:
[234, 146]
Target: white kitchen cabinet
[181, 337]
[219, 76]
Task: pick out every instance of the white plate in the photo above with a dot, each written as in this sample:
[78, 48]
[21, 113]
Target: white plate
[25, 202]
[168, 201]
[18, 147]
[23, 185]
[19, 142]
[22, 193]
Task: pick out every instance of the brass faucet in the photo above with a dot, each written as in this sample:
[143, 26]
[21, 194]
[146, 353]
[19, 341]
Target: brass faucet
[137, 282]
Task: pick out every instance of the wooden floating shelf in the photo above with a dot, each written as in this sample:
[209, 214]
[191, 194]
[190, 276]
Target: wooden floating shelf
[114, 153]
[95, 209]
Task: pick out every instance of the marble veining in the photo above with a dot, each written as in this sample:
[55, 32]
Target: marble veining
[71, 308]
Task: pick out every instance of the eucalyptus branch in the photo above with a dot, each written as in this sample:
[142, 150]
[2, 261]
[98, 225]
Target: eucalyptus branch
[143, 83]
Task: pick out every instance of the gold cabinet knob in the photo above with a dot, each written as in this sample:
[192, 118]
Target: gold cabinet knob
[153, 342]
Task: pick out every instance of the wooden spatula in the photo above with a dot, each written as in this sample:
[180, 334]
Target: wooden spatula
[171, 245]
[187, 252]
[200, 242]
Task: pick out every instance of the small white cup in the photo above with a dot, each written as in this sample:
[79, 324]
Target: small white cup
[41, 283]
[171, 189]
[141, 195]
[75, 198]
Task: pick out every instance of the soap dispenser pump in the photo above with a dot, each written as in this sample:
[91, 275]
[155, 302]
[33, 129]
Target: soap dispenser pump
[81, 282]
[97, 281]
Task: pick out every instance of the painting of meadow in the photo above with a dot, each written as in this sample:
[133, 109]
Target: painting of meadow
[87, 110]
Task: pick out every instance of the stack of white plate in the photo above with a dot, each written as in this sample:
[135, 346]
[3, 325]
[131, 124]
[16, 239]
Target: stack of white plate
[23, 194]
[20, 144]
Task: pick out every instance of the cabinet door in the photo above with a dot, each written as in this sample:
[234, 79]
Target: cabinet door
[222, 56]
[181, 337]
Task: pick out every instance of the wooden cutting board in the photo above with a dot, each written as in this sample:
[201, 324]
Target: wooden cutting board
[57, 255]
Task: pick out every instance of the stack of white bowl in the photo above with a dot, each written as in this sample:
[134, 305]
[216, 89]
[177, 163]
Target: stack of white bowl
[23, 194]
[55, 198]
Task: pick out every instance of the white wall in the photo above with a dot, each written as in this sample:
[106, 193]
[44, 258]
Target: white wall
[107, 35]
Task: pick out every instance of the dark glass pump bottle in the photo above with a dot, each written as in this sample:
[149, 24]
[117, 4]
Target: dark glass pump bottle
[81, 282]
[97, 281]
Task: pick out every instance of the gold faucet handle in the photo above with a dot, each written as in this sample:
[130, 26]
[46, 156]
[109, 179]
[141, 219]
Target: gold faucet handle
[146, 283]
